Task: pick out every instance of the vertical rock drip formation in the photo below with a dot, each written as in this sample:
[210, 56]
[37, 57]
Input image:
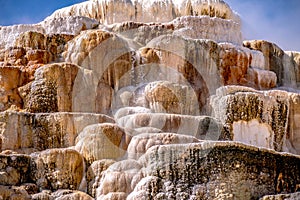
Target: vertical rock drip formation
[253, 117]
[278, 61]
[146, 99]
[214, 170]
[146, 11]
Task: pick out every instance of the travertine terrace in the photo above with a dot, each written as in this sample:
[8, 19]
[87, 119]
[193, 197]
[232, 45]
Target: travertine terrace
[146, 99]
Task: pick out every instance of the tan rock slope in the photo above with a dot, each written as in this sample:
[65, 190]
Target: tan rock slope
[158, 99]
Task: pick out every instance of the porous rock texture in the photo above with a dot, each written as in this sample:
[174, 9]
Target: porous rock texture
[292, 196]
[215, 170]
[146, 99]
[57, 169]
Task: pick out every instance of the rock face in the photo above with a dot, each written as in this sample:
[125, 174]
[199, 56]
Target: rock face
[25, 132]
[215, 170]
[282, 196]
[146, 11]
[94, 174]
[227, 179]
[51, 91]
[146, 100]
[243, 111]
[102, 141]
[57, 169]
[278, 61]
[14, 169]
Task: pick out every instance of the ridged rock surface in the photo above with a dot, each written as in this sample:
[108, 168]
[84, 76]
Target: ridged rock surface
[146, 99]
[193, 27]
[14, 169]
[215, 170]
[95, 173]
[57, 169]
[293, 196]
[28, 132]
[102, 141]
[142, 142]
[62, 194]
[75, 24]
[245, 114]
[278, 61]
[146, 11]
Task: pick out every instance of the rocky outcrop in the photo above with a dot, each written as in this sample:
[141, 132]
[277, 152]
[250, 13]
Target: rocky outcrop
[146, 11]
[27, 132]
[246, 115]
[41, 48]
[19, 63]
[295, 56]
[200, 127]
[9, 34]
[51, 91]
[293, 196]
[102, 141]
[218, 64]
[57, 169]
[215, 170]
[278, 61]
[112, 73]
[94, 174]
[11, 78]
[14, 169]
[192, 27]
[72, 26]
[33, 48]
[227, 65]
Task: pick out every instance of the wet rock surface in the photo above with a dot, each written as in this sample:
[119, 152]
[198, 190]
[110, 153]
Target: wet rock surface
[146, 100]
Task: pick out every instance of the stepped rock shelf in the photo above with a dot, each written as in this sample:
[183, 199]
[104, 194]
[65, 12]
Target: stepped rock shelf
[146, 99]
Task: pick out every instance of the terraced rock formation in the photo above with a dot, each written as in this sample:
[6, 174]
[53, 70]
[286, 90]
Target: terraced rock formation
[146, 100]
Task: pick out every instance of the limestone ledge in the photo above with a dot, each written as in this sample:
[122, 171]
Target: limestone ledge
[14, 170]
[102, 141]
[293, 196]
[27, 132]
[66, 25]
[193, 27]
[113, 64]
[201, 127]
[284, 64]
[146, 11]
[169, 170]
[267, 117]
[87, 15]
[182, 171]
